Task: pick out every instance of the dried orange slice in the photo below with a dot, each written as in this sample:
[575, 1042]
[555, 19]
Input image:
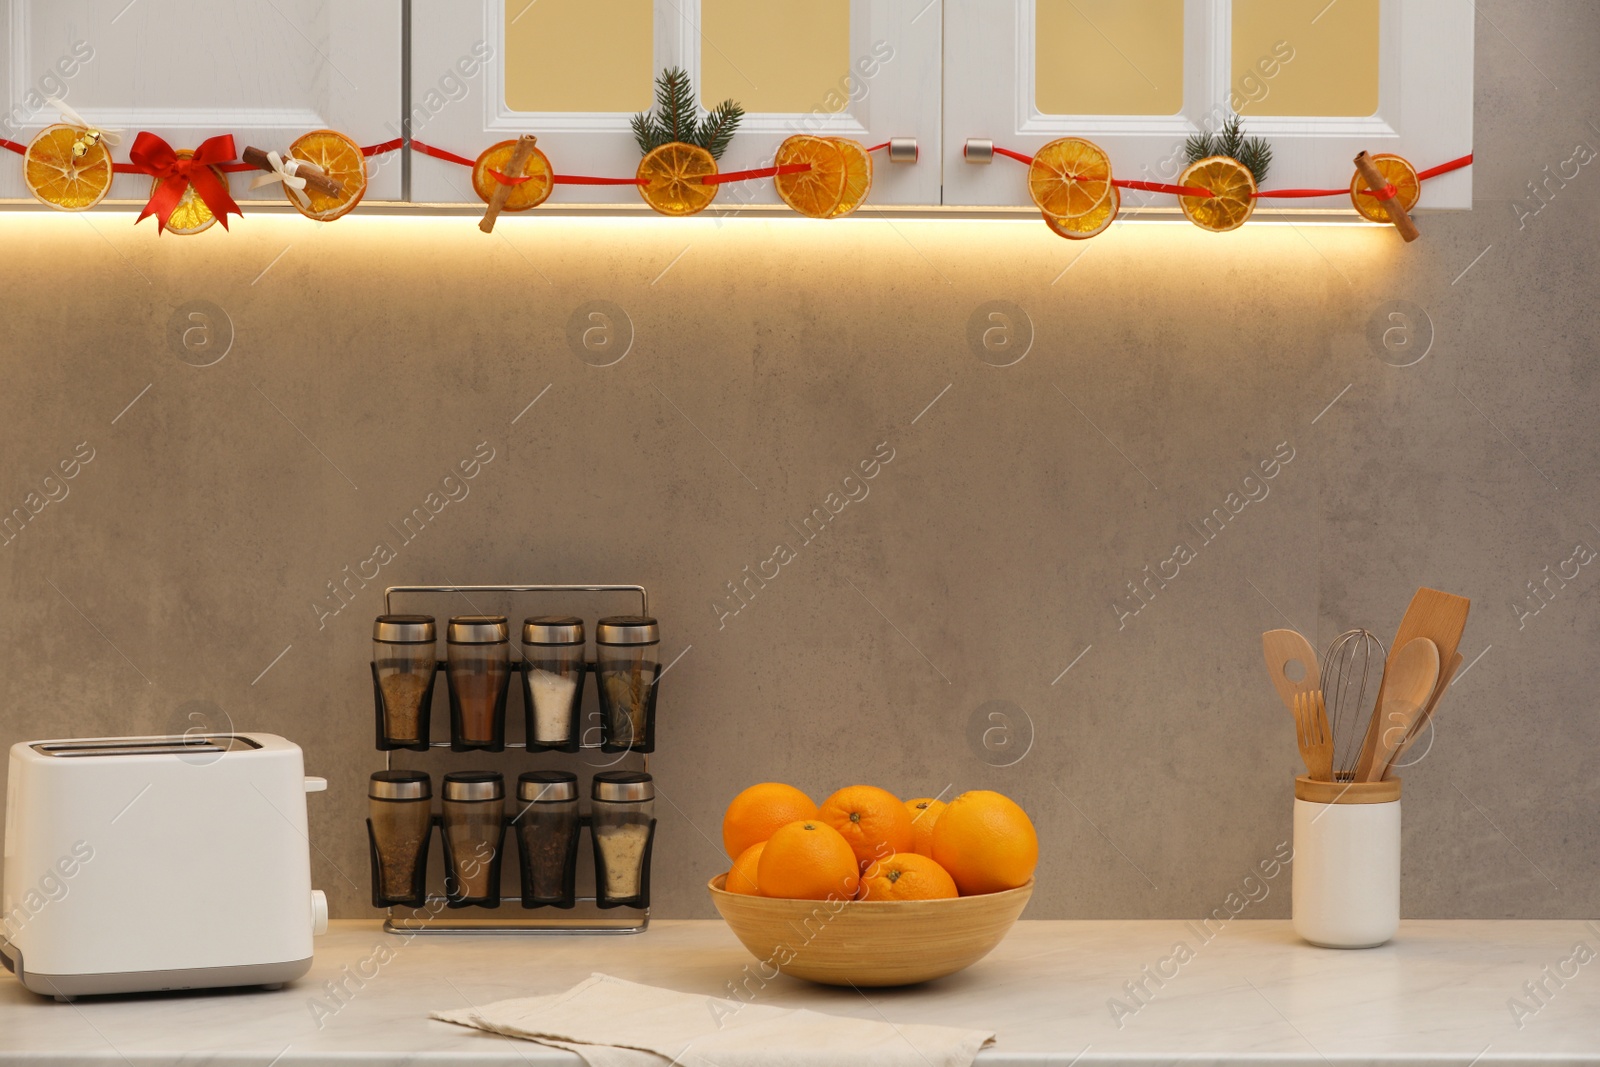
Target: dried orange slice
[339, 158]
[1094, 223]
[1233, 192]
[1400, 174]
[857, 176]
[192, 215]
[1069, 177]
[673, 174]
[816, 193]
[524, 195]
[54, 177]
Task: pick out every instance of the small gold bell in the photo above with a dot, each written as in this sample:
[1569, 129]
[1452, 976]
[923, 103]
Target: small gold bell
[78, 149]
[91, 137]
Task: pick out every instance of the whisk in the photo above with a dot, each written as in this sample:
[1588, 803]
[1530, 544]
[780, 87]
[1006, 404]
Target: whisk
[1352, 670]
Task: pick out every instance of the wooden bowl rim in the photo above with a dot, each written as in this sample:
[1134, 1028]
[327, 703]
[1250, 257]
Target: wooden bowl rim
[716, 883]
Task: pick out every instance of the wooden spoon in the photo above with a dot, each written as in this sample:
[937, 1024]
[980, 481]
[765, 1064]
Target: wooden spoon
[1281, 648]
[1408, 684]
[1426, 717]
[1440, 617]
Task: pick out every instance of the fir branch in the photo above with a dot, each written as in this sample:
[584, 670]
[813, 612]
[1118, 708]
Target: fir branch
[718, 128]
[675, 106]
[1199, 146]
[1257, 156]
[1231, 143]
[648, 132]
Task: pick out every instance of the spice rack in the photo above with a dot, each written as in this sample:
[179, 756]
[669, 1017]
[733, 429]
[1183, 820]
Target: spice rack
[589, 915]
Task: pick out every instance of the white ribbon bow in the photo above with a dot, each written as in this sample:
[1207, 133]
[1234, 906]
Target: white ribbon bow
[285, 171]
[72, 118]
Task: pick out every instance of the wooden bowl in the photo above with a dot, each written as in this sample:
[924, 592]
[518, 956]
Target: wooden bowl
[870, 942]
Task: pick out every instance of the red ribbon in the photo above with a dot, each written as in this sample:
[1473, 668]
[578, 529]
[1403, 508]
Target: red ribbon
[153, 156]
[759, 172]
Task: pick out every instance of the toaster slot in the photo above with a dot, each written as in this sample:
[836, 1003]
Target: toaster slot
[145, 746]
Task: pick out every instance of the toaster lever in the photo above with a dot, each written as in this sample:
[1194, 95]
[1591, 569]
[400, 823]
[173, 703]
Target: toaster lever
[316, 785]
[319, 913]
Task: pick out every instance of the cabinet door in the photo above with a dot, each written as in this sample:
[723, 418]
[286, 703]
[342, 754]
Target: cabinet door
[1319, 81]
[573, 72]
[191, 69]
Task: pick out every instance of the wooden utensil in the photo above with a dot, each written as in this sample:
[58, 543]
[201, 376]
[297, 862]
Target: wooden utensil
[1440, 617]
[1311, 730]
[1281, 648]
[1426, 717]
[1408, 684]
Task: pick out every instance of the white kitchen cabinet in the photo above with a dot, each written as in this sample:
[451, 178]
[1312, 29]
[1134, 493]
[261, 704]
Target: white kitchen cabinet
[573, 72]
[1319, 80]
[190, 69]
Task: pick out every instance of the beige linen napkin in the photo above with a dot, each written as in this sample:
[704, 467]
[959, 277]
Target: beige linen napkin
[613, 1023]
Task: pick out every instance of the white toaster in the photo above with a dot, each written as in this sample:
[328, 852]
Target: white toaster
[148, 863]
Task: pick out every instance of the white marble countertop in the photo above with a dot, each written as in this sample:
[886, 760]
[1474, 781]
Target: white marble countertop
[1441, 994]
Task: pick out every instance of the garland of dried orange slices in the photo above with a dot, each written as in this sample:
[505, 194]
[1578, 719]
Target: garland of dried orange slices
[324, 173]
[1070, 181]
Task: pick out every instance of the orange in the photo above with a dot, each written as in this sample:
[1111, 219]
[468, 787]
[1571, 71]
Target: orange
[755, 813]
[1233, 190]
[1069, 177]
[808, 860]
[925, 812]
[907, 876]
[872, 820]
[1400, 174]
[339, 158]
[742, 875]
[857, 176]
[1093, 224]
[818, 192]
[192, 215]
[56, 178]
[524, 195]
[673, 173]
[986, 842]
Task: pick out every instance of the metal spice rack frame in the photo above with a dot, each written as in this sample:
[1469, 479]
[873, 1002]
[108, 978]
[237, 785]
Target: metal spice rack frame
[436, 916]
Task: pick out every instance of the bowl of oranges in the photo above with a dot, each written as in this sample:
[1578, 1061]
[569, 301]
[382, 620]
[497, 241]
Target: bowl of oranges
[870, 890]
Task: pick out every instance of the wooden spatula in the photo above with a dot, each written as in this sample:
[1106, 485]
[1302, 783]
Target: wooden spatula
[1440, 617]
[1281, 648]
[1407, 689]
[1426, 717]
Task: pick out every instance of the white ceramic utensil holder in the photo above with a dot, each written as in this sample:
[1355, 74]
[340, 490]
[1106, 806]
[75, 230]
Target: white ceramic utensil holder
[1346, 880]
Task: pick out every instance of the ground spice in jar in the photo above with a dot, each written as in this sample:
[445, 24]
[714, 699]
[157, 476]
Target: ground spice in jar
[402, 705]
[400, 809]
[623, 849]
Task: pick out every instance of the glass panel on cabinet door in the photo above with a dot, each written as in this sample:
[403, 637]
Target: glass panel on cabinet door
[1305, 57]
[579, 55]
[1108, 57]
[774, 55]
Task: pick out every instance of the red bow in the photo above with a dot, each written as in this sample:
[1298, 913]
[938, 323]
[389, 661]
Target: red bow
[156, 158]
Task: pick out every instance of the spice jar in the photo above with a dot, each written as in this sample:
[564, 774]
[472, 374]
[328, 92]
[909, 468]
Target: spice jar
[552, 684]
[404, 658]
[399, 823]
[478, 665]
[622, 828]
[474, 811]
[628, 662]
[547, 837]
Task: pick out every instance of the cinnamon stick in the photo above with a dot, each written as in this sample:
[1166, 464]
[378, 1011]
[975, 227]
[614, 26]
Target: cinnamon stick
[316, 180]
[519, 162]
[1397, 213]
